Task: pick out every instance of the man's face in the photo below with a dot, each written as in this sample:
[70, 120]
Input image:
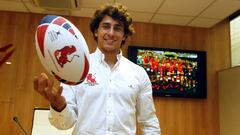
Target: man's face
[110, 35]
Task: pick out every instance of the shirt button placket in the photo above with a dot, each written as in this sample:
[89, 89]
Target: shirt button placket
[111, 116]
[109, 105]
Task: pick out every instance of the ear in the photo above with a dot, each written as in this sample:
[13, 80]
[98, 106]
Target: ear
[95, 33]
[124, 38]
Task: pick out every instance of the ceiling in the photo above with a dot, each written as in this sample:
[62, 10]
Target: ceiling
[196, 13]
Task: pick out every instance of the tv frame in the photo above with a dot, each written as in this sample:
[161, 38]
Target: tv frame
[198, 90]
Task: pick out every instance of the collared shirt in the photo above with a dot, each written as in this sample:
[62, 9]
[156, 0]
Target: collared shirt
[109, 101]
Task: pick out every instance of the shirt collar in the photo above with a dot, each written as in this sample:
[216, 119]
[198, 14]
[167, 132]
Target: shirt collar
[101, 56]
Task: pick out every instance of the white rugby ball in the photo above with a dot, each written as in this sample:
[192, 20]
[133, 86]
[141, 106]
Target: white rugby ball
[62, 49]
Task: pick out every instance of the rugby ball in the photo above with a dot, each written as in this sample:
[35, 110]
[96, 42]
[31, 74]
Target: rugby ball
[62, 49]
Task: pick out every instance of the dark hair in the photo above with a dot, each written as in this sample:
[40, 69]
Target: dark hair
[117, 12]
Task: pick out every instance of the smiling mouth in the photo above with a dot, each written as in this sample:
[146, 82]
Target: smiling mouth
[109, 42]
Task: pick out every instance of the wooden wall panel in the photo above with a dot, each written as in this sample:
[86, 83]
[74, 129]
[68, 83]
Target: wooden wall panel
[218, 59]
[229, 107]
[177, 116]
[6, 113]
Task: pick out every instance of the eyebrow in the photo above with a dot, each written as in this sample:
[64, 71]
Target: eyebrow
[107, 23]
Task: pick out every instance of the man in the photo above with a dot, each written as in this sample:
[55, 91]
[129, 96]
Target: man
[116, 92]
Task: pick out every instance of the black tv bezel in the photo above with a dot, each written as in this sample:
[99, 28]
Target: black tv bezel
[201, 91]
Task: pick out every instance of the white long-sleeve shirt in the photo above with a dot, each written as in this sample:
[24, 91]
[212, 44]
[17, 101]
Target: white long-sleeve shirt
[109, 101]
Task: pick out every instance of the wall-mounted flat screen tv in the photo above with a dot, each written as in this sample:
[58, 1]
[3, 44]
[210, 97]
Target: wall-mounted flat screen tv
[173, 72]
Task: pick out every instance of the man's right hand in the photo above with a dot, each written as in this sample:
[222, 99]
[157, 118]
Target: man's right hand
[44, 86]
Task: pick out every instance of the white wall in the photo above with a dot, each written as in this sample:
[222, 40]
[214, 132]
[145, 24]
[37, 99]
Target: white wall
[235, 41]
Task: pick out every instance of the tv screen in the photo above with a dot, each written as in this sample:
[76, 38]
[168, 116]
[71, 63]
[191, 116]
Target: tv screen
[173, 72]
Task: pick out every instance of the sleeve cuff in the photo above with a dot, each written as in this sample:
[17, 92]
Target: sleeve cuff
[56, 113]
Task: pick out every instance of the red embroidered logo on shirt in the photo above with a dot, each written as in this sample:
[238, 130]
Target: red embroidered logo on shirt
[91, 79]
